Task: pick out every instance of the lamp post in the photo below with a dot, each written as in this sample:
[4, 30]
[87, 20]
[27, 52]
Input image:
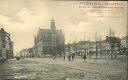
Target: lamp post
[127, 41]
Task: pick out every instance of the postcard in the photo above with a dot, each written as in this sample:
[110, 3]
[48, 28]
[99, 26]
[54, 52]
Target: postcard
[63, 40]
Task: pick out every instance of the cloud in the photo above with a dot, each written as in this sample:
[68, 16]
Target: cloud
[22, 32]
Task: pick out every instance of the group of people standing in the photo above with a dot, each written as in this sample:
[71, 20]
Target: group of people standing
[72, 56]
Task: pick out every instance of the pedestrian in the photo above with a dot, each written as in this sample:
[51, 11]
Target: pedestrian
[69, 57]
[73, 56]
[63, 55]
[115, 54]
[54, 56]
[84, 57]
[89, 54]
[17, 58]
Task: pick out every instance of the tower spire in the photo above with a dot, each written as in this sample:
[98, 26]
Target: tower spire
[110, 32]
[53, 24]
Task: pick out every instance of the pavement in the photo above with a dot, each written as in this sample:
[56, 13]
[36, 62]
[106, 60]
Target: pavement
[59, 69]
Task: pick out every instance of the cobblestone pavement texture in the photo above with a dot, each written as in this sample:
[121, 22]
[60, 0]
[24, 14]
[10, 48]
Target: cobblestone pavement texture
[58, 69]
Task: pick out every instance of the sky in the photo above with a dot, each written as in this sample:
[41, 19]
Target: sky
[23, 18]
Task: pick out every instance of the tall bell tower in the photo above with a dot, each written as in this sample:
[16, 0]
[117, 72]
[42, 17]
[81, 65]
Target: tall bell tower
[53, 24]
[53, 37]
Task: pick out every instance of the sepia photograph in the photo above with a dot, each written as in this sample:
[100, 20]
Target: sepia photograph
[63, 40]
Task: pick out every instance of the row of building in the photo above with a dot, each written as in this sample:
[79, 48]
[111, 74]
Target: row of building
[104, 47]
[6, 45]
[51, 42]
[81, 47]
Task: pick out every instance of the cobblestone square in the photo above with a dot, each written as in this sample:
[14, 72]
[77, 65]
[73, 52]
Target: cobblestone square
[58, 69]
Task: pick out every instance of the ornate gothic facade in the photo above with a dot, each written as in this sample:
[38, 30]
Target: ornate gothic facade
[49, 41]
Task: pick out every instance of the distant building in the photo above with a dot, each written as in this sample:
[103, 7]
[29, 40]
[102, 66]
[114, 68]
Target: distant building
[123, 45]
[114, 45]
[24, 53]
[81, 47]
[6, 45]
[114, 42]
[123, 42]
[86, 46]
[49, 41]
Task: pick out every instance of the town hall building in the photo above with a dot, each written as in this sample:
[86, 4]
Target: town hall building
[49, 41]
